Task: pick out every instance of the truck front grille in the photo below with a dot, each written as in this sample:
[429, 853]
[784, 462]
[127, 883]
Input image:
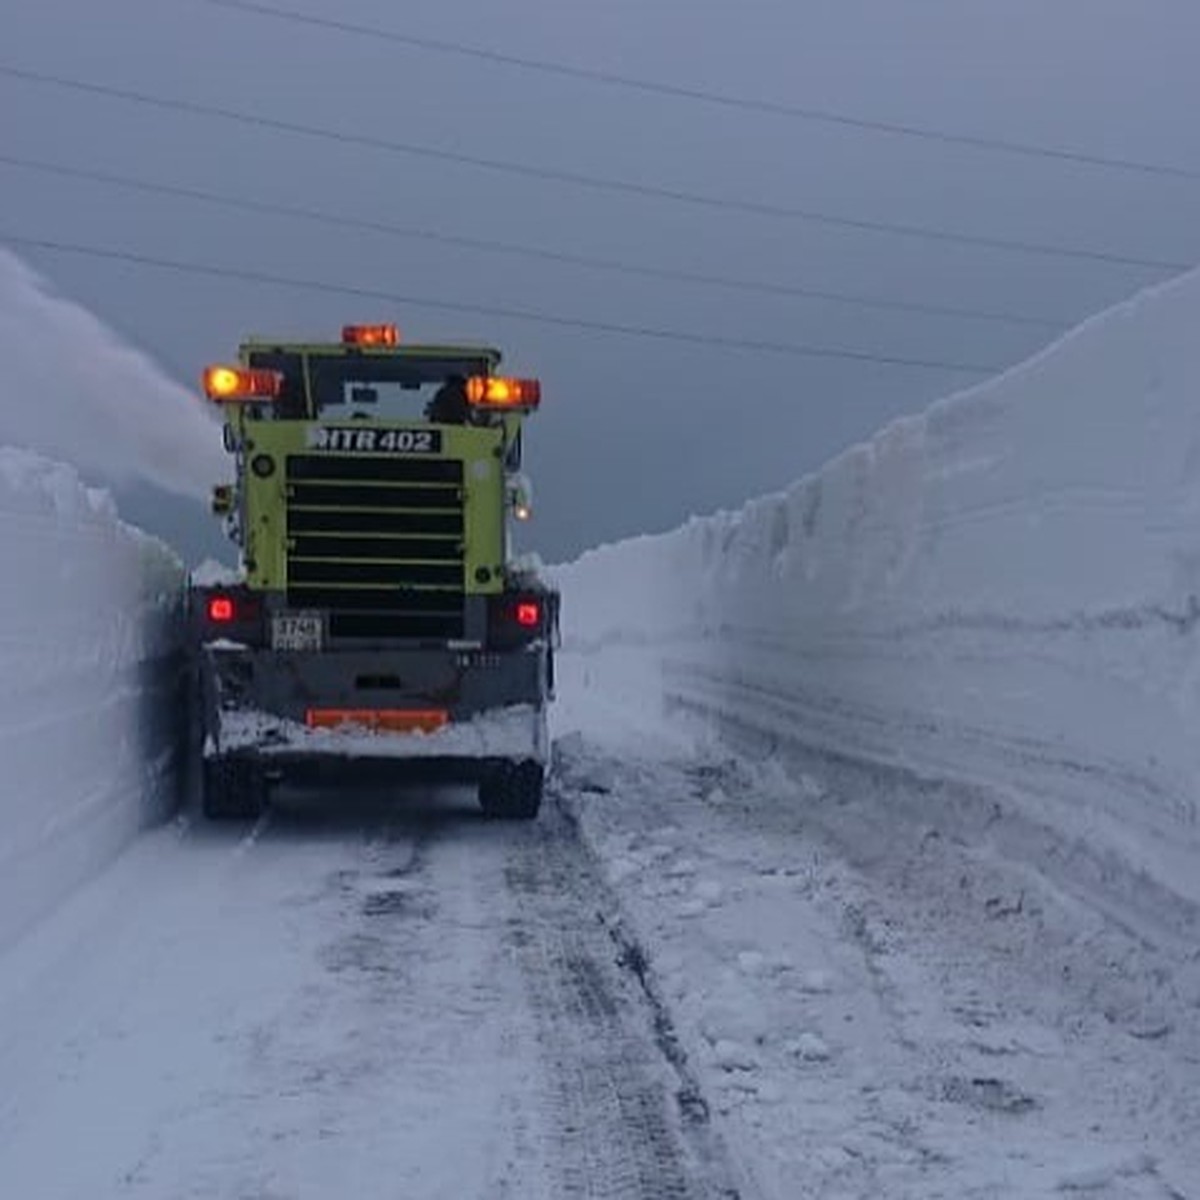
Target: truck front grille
[378, 542]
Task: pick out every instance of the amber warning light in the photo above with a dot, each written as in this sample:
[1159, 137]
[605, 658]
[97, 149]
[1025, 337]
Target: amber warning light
[230, 385]
[493, 391]
[370, 335]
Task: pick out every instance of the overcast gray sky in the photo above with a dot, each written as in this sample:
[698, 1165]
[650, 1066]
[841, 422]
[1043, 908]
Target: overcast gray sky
[635, 433]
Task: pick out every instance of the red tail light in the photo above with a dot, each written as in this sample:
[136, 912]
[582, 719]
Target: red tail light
[528, 614]
[221, 609]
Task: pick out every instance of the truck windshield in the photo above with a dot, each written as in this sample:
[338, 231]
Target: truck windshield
[391, 388]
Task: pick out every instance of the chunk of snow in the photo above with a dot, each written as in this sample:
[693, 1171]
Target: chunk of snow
[211, 573]
[809, 1047]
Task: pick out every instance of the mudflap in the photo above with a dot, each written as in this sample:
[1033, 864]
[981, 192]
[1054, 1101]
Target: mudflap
[233, 787]
[513, 790]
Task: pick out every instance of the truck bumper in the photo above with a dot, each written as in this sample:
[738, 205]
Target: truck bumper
[276, 705]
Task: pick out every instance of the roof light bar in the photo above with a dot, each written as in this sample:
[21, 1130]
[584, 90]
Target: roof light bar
[370, 335]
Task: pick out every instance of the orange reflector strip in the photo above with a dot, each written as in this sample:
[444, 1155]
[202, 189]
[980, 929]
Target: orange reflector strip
[370, 335]
[226, 384]
[380, 720]
[494, 391]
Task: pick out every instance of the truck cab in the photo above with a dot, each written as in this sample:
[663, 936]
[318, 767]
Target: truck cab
[380, 612]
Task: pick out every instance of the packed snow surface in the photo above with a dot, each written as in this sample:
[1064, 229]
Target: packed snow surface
[77, 393]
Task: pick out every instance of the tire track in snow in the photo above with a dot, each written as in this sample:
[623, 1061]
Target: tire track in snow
[631, 1124]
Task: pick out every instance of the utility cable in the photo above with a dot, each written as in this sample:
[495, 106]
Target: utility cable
[706, 96]
[544, 318]
[576, 179]
[390, 229]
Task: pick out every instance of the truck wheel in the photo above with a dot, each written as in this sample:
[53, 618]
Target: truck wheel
[234, 789]
[513, 791]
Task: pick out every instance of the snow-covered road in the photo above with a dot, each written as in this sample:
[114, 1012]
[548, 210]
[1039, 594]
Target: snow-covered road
[875, 1010]
[359, 999]
[693, 977]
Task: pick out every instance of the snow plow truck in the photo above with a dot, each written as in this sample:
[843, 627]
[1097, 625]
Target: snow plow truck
[379, 612]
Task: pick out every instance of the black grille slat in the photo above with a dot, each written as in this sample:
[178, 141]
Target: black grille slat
[302, 521]
[302, 571]
[381, 496]
[377, 542]
[375, 469]
[392, 549]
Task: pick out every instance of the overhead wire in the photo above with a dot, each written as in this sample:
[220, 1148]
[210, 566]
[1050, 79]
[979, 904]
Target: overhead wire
[724, 341]
[708, 96]
[583, 180]
[386, 228]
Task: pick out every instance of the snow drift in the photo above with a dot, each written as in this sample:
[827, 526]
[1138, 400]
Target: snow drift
[1003, 592]
[89, 624]
[76, 393]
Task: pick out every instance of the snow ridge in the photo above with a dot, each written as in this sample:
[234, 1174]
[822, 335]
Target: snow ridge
[1001, 592]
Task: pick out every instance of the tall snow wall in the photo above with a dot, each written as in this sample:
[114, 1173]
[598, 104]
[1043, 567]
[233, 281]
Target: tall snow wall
[1003, 592]
[89, 674]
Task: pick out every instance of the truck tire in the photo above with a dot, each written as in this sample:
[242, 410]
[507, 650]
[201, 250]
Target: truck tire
[233, 789]
[513, 791]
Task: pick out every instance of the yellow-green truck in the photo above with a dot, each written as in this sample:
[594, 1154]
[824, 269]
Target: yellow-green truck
[379, 613]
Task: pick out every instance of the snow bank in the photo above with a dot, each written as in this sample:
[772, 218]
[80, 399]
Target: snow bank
[1002, 591]
[89, 624]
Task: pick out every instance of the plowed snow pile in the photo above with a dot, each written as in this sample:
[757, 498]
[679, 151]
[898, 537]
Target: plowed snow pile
[1002, 592]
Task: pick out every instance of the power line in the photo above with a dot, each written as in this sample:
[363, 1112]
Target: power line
[543, 318]
[576, 179]
[337, 220]
[704, 95]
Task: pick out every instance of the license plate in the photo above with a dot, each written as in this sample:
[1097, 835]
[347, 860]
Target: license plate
[297, 631]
